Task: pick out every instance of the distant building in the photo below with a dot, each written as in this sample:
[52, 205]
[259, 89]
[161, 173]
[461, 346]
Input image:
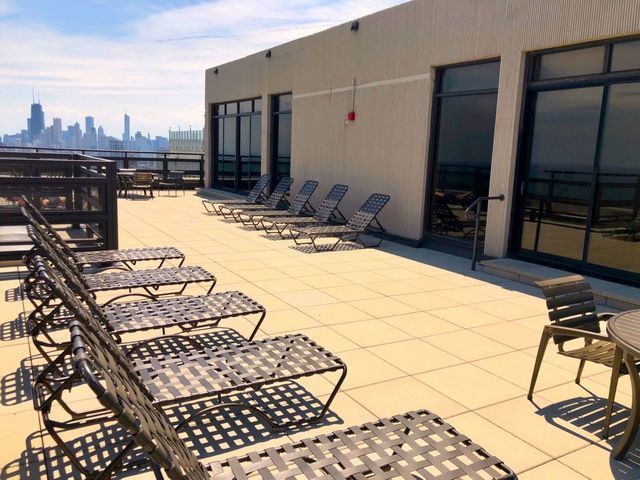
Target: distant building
[57, 131]
[186, 141]
[126, 136]
[35, 123]
[102, 141]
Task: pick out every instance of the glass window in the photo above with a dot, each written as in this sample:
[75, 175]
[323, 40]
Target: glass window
[281, 137]
[626, 56]
[563, 148]
[582, 61]
[236, 165]
[615, 230]
[463, 147]
[480, 76]
[257, 105]
[219, 109]
[284, 103]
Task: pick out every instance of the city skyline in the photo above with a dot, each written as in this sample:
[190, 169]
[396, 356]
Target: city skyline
[36, 131]
[99, 57]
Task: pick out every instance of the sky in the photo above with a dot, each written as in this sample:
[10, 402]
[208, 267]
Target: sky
[145, 57]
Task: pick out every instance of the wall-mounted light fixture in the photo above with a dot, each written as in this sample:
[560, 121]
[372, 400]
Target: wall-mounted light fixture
[215, 71]
[355, 25]
[268, 54]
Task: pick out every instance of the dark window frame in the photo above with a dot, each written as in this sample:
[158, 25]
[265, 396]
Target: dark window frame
[275, 114]
[215, 137]
[531, 86]
[432, 152]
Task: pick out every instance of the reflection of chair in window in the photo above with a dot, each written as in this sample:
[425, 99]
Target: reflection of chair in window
[143, 181]
[445, 221]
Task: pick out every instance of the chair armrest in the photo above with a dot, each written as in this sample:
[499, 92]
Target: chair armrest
[576, 332]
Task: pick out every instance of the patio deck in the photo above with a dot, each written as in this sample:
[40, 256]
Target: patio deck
[416, 328]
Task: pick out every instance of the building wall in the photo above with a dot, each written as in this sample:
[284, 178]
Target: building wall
[392, 58]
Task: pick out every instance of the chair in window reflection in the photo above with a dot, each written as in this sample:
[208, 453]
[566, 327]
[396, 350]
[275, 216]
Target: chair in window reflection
[446, 222]
[143, 181]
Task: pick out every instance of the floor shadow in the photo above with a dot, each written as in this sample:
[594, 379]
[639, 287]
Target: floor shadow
[326, 247]
[14, 294]
[14, 329]
[587, 414]
[212, 434]
[17, 387]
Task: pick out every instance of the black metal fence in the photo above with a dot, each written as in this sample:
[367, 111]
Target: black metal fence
[156, 162]
[76, 193]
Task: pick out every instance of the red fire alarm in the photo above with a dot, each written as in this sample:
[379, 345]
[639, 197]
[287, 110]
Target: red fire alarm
[351, 116]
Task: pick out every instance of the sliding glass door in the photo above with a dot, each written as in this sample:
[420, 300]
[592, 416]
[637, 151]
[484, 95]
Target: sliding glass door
[236, 144]
[579, 195]
[465, 106]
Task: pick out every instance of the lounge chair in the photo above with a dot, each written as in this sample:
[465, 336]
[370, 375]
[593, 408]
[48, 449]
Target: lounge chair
[413, 445]
[186, 312]
[364, 221]
[327, 213]
[275, 200]
[299, 206]
[256, 195]
[573, 316]
[150, 281]
[187, 372]
[127, 257]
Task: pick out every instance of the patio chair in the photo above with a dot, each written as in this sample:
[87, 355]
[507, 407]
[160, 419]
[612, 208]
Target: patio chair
[150, 281]
[363, 221]
[256, 195]
[187, 313]
[124, 180]
[327, 213]
[127, 257]
[299, 206]
[274, 201]
[188, 372]
[445, 221]
[143, 181]
[413, 445]
[573, 316]
[173, 180]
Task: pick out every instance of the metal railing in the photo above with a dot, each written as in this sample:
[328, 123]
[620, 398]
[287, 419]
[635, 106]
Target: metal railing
[71, 190]
[470, 215]
[156, 162]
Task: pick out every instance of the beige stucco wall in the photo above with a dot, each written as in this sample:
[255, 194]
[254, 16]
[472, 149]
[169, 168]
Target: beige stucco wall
[392, 57]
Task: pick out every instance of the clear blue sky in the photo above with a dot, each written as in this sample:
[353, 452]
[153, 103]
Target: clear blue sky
[102, 57]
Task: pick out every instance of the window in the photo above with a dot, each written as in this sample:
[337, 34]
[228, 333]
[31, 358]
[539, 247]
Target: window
[465, 106]
[579, 200]
[236, 141]
[281, 137]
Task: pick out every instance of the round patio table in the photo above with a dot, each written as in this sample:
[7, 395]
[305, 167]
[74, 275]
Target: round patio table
[624, 330]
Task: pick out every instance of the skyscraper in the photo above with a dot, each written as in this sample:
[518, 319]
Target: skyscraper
[57, 130]
[126, 136]
[88, 124]
[36, 122]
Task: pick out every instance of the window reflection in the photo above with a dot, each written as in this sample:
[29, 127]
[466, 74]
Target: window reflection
[463, 149]
[281, 136]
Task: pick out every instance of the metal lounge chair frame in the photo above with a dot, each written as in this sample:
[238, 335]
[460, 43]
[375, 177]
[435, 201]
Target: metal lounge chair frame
[128, 257]
[256, 195]
[572, 312]
[416, 442]
[187, 312]
[150, 281]
[327, 213]
[363, 221]
[300, 205]
[276, 199]
[235, 367]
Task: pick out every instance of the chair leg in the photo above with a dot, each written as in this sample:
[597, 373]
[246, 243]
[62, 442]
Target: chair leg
[613, 386]
[581, 366]
[544, 340]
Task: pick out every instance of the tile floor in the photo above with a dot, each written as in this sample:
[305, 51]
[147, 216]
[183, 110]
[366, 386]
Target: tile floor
[416, 328]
